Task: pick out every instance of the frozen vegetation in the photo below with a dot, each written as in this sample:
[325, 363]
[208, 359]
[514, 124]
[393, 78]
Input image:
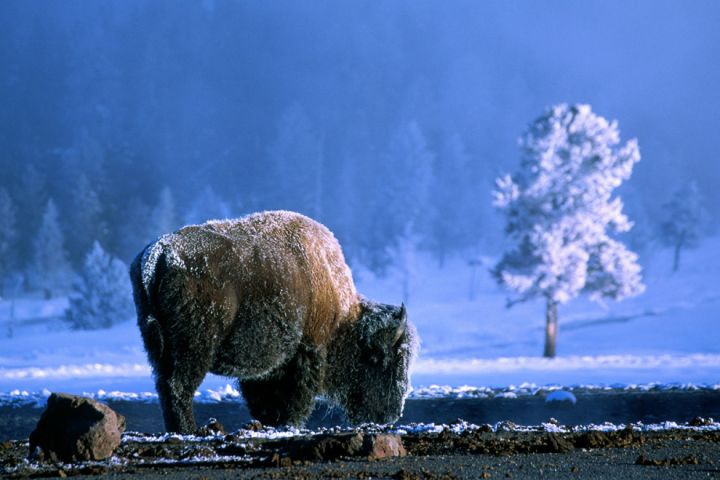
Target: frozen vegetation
[561, 216]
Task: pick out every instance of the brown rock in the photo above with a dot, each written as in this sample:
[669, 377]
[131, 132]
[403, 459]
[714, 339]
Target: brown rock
[555, 443]
[701, 421]
[592, 439]
[383, 446]
[74, 428]
[253, 426]
[351, 444]
[212, 427]
[327, 447]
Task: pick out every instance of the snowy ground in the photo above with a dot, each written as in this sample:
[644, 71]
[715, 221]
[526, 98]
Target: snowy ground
[668, 335]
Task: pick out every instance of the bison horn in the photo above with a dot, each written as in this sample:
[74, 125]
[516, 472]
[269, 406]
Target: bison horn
[399, 333]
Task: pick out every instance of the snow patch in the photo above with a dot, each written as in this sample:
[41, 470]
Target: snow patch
[24, 398]
[553, 391]
[228, 393]
[571, 362]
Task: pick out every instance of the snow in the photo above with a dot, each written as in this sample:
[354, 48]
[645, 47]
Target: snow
[667, 336]
[459, 427]
[561, 396]
[229, 393]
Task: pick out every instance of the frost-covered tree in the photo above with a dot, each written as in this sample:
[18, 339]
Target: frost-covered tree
[560, 213]
[49, 268]
[684, 216]
[8, 234]
[163, 218]
[102, 296]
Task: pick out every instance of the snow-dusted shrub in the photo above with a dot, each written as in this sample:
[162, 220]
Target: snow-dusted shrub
[560, 213]
[102, 295]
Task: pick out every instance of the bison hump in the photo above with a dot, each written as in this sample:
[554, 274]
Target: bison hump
[151, 256]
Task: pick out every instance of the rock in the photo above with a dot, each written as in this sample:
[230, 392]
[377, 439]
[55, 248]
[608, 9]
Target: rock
[701, 421]
[253, 426]
[351, 444]
[326, 447]
[380, 446]
[212, 427]
[667, 462]
[592, 439]
[555, 443]
[74, 428]
[561, 396]
[506, 426]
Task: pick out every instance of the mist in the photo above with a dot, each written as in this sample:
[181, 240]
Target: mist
[243, 106]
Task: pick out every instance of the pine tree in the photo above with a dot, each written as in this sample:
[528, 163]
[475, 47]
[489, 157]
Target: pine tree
[560, 213]
[163, 218]
[450, 207]
[133, 231]
[684, 216]
[102, 295]
[296, 164]
[8, 235]
[86, 219]
[207, 206]
[49, 268]
[31, 198]
[398, 221]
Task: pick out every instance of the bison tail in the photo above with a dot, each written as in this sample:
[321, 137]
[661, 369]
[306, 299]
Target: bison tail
[144, 283]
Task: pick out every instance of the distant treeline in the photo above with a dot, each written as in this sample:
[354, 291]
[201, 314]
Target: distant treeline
[388, 121]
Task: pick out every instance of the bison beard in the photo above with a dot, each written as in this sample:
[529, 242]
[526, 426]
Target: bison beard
[268, 299]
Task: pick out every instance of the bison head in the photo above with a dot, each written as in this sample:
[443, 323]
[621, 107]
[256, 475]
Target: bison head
[375, 379]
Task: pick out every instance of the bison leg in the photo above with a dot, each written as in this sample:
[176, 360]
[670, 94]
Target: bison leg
[286, 395]
[176, 403]
[176, 379]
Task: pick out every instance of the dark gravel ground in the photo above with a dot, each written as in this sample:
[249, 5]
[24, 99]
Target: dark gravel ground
[502, 451]
[482, 453]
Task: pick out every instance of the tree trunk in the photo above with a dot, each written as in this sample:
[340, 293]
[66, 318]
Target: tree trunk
[676, 257]
[551, 316]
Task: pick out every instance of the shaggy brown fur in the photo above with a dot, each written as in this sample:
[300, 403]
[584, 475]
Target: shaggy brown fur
[267, 299]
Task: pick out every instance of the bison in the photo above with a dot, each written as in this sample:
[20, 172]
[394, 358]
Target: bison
[268, 299]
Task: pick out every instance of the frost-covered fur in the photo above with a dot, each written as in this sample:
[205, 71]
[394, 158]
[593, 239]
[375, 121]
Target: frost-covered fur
[269, 300]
